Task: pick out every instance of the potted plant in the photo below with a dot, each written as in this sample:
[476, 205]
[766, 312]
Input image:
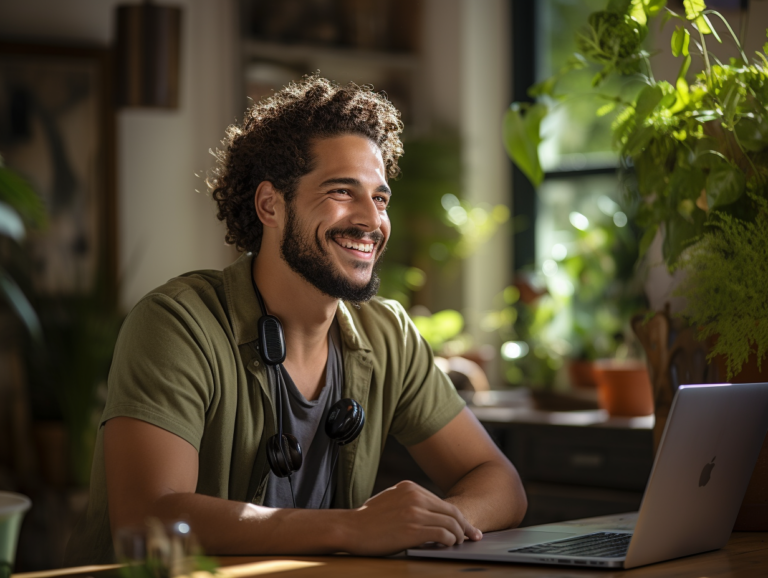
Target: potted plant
[583, 313]
[695, 153]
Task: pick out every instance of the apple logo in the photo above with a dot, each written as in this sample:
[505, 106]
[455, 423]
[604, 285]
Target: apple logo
[706, 472]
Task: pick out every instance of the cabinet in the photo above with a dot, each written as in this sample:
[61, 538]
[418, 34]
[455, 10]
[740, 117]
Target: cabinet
[373, 42]
[574, 464]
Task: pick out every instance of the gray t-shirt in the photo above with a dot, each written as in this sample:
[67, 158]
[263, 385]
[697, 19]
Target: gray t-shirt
[306, 421]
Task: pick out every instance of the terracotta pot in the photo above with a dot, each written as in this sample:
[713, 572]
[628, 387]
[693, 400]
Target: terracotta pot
[753, 515]
[581, 374]
[623, 387]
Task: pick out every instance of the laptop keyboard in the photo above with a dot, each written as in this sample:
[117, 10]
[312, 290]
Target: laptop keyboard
[597, 545]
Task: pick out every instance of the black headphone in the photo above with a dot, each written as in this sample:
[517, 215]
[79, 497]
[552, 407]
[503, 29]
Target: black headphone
[343, 424]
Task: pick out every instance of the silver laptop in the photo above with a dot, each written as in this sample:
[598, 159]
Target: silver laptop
[705, 460]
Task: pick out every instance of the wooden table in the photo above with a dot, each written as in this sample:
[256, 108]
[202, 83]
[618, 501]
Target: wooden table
[745, 555]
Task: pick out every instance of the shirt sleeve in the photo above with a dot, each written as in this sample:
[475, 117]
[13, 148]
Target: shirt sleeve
[160, 371]
[428, 400]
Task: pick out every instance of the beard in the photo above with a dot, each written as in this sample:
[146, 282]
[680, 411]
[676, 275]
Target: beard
[306, 255]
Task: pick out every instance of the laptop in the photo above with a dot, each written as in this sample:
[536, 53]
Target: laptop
[704, 462]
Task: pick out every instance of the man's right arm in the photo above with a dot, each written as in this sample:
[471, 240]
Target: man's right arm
[152, 472]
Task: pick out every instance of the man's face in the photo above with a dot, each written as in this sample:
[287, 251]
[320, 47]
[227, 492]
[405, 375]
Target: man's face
[336, 224]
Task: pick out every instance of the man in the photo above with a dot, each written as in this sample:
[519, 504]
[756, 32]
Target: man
[302, 186]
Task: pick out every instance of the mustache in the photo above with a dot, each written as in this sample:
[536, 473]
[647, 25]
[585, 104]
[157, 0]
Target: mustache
[353, 233]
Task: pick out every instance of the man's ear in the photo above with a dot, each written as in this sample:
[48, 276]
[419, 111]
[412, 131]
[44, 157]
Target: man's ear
[269, 205]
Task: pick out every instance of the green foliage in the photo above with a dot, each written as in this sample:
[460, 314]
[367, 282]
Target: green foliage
[18, 194]
[612, 39]
[19, 207]
[72, 364]
[694, 147]
[522, 137]
[432, 225]
[727, 276]
[586, 301]
[439, 327]
[431, 169]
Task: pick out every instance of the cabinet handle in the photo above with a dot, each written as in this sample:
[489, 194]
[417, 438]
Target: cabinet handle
[586, 460]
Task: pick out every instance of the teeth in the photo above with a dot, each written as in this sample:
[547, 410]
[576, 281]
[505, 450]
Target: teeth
[364, 247]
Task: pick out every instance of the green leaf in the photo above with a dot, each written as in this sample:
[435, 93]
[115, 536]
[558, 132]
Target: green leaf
[679, 233]
[19, 303]
[702, 24]
[725, 184]
[606, 108]
[693, 8]
[639, 140]
[618, 6]
[681, 38]
[685, 184]
[637, 12]
[668, 100]
[647, 101]
[666, 17]
[646, 240]
[650, 180]
[752, 132]
[544, 87]
[15, 191]
[765, 48]
[683, 96]
[684, 67]
[11, 224]
[522, 137]
[653, 7]
[710, 28]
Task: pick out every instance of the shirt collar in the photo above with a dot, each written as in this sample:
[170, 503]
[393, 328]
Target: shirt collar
[244, 311]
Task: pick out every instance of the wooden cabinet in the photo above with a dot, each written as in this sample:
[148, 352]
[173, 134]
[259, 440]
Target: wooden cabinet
[577, 471]
[375, 42]
[573, 464]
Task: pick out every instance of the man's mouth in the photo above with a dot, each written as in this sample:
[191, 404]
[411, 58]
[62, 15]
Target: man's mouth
[363, 248]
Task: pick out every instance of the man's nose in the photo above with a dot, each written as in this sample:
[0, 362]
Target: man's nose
[366, 214]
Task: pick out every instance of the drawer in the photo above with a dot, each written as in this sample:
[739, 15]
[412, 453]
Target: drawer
[598, 457]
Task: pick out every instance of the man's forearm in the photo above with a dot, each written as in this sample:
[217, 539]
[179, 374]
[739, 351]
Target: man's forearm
[400, 517]
[491, 496]
[227, 527]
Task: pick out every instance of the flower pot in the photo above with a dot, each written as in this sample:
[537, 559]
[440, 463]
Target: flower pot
[581, 374]
[623, 387]
[12, 509]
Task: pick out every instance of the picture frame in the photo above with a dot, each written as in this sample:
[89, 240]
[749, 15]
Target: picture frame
[57, 130]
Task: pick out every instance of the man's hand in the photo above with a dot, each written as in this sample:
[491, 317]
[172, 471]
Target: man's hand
[405, 516]
[476, 477]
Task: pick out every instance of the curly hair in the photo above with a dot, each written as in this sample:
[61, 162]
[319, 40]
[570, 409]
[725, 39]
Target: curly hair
[274, 144]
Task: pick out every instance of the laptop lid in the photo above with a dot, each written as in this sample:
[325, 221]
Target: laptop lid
[702, 468]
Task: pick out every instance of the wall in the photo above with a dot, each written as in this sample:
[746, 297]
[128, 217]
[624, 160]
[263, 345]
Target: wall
[467, 82]
[164, 227]
[486, 93]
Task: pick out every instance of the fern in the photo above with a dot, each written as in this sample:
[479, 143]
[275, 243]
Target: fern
[727, 288]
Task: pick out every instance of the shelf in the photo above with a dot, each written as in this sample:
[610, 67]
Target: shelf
[292, 53]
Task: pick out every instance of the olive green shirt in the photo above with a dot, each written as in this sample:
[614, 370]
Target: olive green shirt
[186, 361]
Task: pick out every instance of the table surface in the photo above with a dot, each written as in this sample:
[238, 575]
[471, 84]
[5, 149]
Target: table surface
[745, 555]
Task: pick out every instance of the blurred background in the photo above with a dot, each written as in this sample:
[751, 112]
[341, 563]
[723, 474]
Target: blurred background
[107, 123]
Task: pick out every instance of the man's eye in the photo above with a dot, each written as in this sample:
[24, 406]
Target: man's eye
[340, 191]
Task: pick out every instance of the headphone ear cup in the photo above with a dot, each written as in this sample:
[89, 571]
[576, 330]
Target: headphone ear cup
[345, 421]
[286, 461]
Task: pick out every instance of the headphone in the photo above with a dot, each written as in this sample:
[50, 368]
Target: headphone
[343, 424]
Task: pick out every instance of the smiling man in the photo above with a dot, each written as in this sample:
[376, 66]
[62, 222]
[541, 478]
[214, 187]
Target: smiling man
[194, 400]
